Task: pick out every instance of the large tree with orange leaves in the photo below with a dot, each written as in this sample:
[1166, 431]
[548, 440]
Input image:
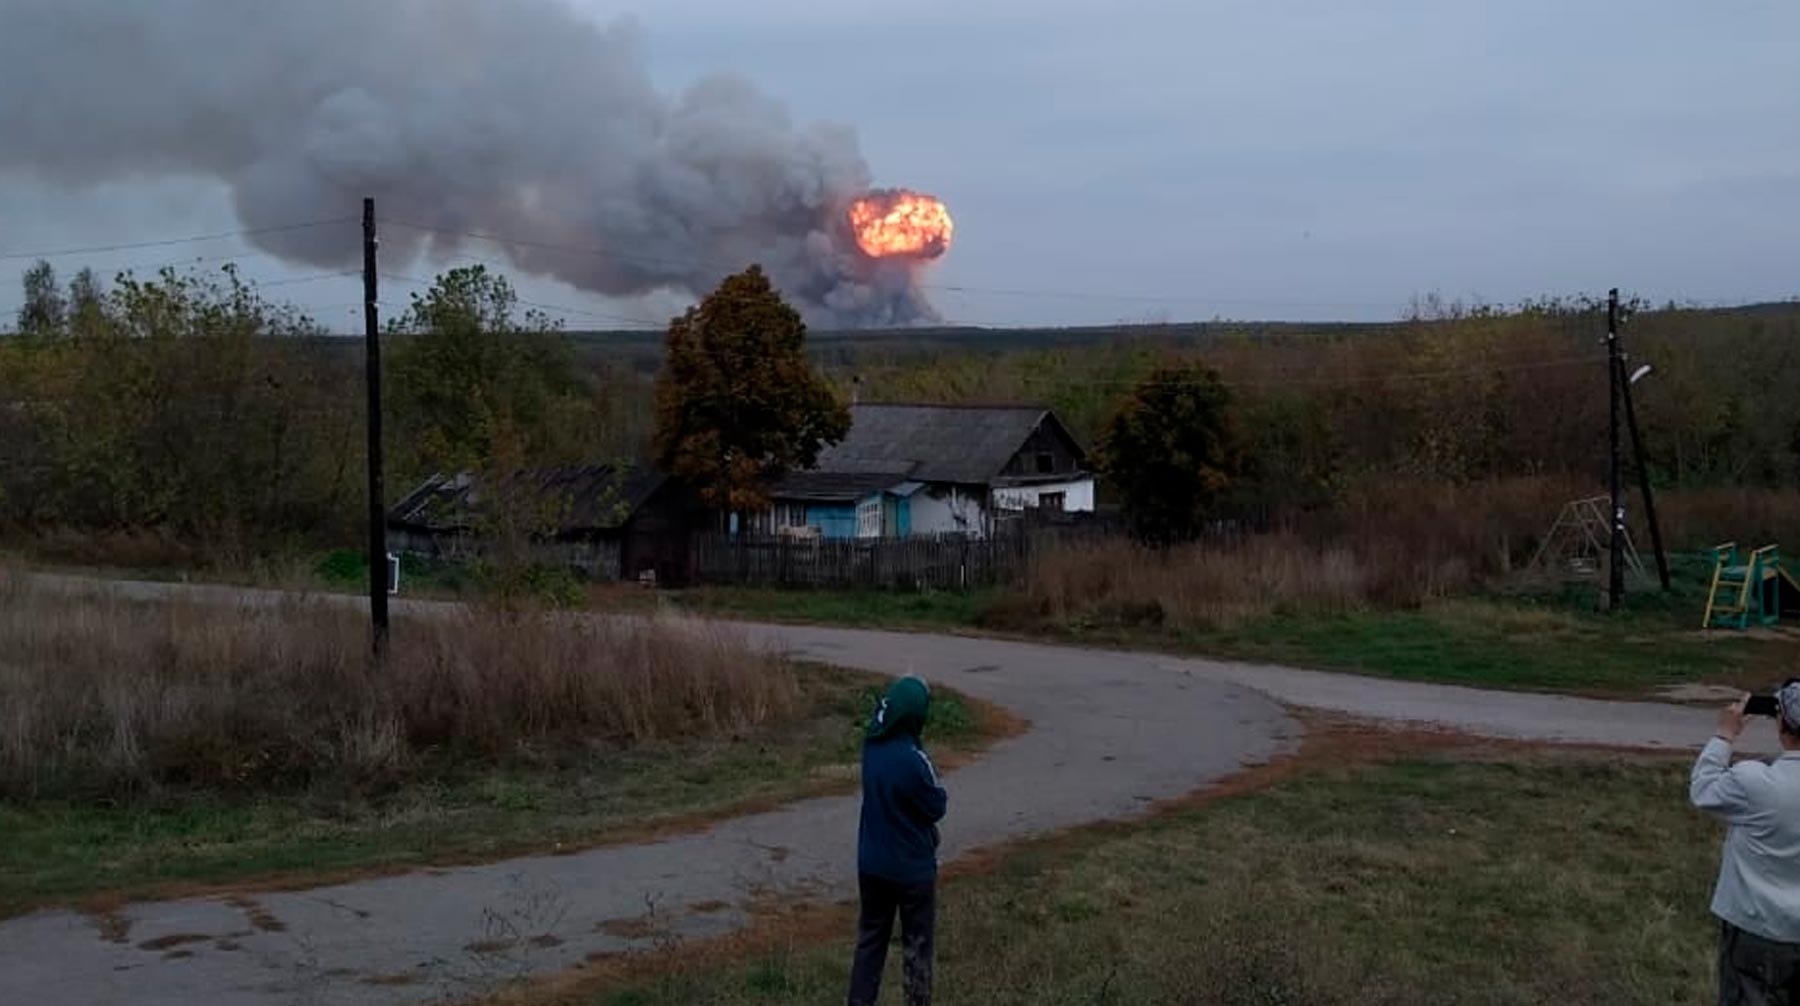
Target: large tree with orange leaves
[737, 402]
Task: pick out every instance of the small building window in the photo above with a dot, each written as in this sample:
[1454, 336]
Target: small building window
[868, 518]
[1053, 501]
[790, 515]
[1046, 463]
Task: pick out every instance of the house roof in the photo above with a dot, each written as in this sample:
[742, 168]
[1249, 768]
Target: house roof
[969, 444]
[577, 498]
[833, 487]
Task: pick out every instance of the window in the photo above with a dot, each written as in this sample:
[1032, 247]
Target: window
[1046, 463]
[1053, 501]
[790, 515]
[868, 518]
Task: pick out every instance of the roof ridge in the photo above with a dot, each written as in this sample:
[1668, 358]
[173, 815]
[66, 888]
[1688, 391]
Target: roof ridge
[989, 406]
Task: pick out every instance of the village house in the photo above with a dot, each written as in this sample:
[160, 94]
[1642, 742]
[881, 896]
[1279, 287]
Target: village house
[610, 522]
[911, 470]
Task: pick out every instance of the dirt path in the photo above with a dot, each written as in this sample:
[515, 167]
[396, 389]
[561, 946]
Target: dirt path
[1111, 733]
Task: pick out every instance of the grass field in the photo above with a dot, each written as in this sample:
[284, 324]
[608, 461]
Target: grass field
[74, 852]
[1548, 639]
[1543, 642]
[1475, 878]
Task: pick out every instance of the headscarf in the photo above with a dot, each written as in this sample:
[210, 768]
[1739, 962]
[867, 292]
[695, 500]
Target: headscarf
[903, 711]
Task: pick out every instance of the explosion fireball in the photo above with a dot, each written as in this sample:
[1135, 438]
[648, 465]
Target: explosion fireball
[889, 223]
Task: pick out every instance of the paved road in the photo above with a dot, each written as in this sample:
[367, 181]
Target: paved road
[1111, 732]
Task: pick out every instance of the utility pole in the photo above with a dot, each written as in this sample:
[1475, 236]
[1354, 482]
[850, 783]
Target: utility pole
[1615, 588]
[378, 564]
[1637, 452]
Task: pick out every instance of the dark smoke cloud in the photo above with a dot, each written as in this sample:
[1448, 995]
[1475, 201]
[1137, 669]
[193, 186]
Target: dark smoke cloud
[518, 118]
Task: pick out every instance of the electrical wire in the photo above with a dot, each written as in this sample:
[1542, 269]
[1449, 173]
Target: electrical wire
[563, 308]
[132, 246]
[686, 265]
[615, 254]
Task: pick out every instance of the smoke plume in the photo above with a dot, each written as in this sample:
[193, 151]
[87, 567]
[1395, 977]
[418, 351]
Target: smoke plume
[518, 118]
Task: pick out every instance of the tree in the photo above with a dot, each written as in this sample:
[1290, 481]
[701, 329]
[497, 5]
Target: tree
[87, 305]
[43, 314]
[203, 414]
[737, 402]
[479, 390]
[1170, 451]
[472, 381]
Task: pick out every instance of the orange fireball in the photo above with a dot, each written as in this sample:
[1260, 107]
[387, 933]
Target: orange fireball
[898, 222]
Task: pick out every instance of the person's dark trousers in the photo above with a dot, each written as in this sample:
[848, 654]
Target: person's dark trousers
[1757, 972]
[917, 907]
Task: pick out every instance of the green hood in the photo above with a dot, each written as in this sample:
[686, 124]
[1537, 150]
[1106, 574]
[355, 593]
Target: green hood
[903, 711]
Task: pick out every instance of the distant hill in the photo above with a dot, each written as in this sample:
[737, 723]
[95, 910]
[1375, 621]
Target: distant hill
[641, 350]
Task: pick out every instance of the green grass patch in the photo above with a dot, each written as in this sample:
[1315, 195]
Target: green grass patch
[1568, 879]
[1549, 641]
[1508, 644]
[58, 852]
[941, 610]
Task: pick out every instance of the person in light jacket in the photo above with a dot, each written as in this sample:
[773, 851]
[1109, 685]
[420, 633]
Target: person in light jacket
[896, 849]
[1757, 898]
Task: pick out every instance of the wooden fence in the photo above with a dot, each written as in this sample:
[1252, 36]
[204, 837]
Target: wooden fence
[922, 563]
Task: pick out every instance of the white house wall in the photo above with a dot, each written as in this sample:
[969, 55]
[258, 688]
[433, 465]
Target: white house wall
[1078, 496]
[956, 511]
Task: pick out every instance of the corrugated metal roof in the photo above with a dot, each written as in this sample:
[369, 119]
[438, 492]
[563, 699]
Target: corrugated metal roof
[832, 487]
[933, 443]
[582, 497]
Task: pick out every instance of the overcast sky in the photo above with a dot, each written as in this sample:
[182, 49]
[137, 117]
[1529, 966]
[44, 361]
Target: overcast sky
[1173, 161]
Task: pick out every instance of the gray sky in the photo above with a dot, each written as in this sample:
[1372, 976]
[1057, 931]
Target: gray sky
[1153, 161]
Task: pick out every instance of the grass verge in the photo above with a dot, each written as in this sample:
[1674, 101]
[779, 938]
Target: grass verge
[1509, 644]
[1552, 641]
[1482, 876]
[62, 852]
[936, 610]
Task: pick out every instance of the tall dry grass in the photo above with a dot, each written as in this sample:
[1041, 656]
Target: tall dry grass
[1749, 516]
[103, 696]
[1387, 544]
[1121, 584]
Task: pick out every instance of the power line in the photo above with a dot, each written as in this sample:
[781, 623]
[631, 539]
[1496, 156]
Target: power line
[956, 288]
[304, 279]
[294, 281]
[616, 254]
[686, 265]
[414, 280]
[157, 267]
[132, 246]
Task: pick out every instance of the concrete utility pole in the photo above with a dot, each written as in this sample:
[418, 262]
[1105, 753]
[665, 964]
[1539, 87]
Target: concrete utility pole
[378, 561]
[1615, 589]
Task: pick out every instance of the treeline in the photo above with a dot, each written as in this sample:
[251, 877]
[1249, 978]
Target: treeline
[190, 409]
[1453, 396]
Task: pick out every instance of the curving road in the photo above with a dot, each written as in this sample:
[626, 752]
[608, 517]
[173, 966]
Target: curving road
[1111, 733]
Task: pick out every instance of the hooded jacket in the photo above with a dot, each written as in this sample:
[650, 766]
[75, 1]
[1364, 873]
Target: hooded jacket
[902, 798]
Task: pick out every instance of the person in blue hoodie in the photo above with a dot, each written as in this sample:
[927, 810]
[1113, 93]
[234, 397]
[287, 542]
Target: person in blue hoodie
[896, 849]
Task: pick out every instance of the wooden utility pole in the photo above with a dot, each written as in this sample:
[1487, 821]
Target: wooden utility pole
[378, 562]
[1615, 588]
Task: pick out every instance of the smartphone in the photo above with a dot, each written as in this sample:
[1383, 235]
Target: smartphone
[1760, 705]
